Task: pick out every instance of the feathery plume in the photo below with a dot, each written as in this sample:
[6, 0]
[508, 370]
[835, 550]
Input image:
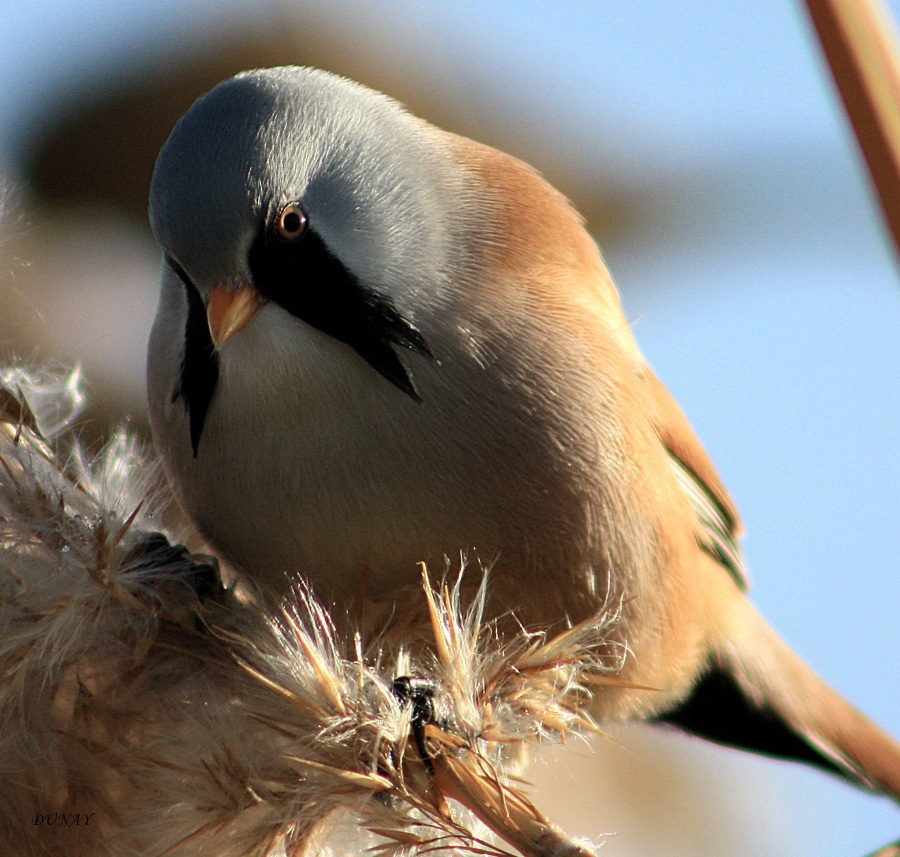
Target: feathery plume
[145, 709]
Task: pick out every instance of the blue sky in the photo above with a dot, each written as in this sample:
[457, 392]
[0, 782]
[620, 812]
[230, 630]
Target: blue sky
[761, 283]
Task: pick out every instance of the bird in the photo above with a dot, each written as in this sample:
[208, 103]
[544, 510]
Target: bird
[380, 344]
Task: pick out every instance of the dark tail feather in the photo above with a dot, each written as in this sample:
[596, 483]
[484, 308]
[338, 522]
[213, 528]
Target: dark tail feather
[758, 695]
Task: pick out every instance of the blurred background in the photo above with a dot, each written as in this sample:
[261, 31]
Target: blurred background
[706, 146]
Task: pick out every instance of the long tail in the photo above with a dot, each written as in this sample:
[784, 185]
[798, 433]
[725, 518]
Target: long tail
[758, 695]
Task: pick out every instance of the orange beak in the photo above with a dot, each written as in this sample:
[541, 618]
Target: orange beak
[229, 309]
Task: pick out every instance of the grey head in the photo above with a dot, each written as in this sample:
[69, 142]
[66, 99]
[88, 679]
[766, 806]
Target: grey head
[372, 194]
[369, 175]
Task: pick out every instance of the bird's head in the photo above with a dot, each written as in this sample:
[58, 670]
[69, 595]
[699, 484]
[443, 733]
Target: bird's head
[296, 188]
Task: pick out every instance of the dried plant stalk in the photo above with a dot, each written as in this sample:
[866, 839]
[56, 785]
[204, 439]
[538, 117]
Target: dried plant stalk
[860, 44]
[147, 710]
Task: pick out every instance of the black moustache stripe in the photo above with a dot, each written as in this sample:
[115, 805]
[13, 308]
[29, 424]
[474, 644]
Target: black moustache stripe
[199, 363]
[307, 280]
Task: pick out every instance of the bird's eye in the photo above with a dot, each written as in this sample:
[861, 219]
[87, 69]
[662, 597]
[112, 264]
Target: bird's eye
[292, 222]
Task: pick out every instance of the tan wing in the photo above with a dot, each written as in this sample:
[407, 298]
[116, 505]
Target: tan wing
[720, 524]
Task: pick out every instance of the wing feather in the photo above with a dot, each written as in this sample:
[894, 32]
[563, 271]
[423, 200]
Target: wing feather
[719, 524]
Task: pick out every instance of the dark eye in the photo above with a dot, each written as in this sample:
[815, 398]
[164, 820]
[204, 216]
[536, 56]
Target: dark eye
[292, 222]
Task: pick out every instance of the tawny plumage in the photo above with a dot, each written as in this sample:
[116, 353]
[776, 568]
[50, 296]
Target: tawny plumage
[427, 356]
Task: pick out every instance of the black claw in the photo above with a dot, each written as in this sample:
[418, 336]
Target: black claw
[419, 692]
[155, 554]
